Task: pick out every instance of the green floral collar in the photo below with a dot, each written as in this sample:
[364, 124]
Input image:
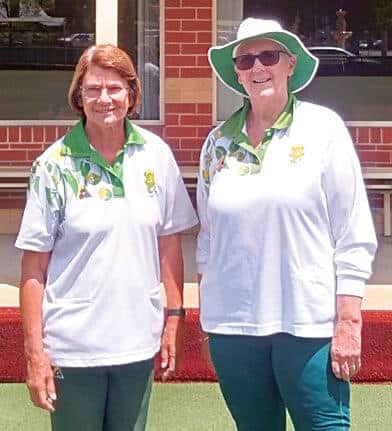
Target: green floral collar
[76, 143]
[234, 125]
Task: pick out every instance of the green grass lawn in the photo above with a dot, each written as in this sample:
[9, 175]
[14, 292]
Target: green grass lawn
[194, 407]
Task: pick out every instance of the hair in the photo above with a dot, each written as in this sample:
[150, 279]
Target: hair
[108, 57]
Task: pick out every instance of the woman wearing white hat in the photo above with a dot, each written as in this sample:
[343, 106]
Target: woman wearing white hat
[286, 241]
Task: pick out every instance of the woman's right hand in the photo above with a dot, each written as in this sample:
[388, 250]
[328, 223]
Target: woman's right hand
[40, 382]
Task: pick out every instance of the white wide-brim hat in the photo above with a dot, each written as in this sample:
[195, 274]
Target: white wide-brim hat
[221, 57]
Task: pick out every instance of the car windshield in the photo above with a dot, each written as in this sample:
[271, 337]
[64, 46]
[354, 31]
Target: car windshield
[339, 61]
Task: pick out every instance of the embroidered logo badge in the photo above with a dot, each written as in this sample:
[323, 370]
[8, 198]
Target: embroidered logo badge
[149, 180]
[297, 153]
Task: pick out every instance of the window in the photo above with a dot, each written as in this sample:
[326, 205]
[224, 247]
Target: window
[138, 34]
[352, 38]
[44, 34]
[359, 30]
[42, 40]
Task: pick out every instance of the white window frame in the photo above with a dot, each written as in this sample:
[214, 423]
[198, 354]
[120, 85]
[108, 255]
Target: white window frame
[107, 32]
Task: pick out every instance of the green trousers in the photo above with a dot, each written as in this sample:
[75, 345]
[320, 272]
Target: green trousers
[113, 398]
[262, 376]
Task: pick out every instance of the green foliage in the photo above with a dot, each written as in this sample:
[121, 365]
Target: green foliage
[35, 184]
[85, 168]
[71, 180]
[220, 152]
[49, 195]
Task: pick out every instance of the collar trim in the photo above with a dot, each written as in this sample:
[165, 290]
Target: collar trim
[76, 144]
[232, 127]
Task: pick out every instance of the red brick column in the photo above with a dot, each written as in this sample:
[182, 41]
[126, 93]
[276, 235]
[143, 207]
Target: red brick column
[188, 77]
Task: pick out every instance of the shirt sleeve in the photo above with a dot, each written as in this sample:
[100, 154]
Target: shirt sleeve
[207, 162]
[40, 220]
[349, 212]
[178, 213]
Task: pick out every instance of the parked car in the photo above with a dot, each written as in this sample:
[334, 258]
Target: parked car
[376, 44]
[78, 40]
[339, 61]
[363, 44]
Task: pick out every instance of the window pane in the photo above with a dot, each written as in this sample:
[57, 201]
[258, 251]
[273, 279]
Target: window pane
[230, 14]
[351, 37]
[355, 50]
[40, 43]
[138, 34]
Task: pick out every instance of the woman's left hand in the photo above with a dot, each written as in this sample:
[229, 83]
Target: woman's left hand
[172, 346]
[346, 342]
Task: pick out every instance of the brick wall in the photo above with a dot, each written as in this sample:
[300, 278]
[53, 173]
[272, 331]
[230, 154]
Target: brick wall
[188, 93]
[186, 125]
[188, 77]
[374, 145]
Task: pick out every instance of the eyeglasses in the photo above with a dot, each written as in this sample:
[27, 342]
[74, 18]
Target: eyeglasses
[266, 58]
[113, 91]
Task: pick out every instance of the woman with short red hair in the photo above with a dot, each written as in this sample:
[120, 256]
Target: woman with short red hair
[100, 230]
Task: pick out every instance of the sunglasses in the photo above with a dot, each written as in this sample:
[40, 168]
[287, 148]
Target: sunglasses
[266, 58]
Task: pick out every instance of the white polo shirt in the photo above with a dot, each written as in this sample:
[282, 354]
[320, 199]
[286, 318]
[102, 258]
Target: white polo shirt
[102, 303]
[282, 234]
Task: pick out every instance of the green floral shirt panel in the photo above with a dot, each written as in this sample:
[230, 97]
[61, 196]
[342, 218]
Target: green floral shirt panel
[240, 154]
[94, 168]
[229, 146]
[226, 153]
[45, 183]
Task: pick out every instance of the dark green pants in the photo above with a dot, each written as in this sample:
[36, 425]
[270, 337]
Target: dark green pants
[111, 398]
[262, 376]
